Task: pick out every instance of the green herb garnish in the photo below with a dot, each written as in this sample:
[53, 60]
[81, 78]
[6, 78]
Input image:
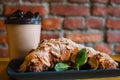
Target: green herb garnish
[81, 58]
[61, 66]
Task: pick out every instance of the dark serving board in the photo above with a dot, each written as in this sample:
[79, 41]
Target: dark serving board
[53, 75]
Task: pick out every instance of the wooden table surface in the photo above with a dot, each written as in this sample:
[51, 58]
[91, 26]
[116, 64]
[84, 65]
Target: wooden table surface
[4, 76]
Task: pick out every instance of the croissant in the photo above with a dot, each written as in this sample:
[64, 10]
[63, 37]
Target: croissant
[52, 51]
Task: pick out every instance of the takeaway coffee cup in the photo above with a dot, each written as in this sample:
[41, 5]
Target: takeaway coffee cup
[23, 33]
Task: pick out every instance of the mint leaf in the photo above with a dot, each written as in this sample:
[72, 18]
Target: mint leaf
[81, 58]
[61, 66]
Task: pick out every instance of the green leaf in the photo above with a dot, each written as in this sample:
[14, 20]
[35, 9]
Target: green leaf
[81, 58]
[61, 66]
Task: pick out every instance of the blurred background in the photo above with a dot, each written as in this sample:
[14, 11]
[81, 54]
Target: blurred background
[94, 23]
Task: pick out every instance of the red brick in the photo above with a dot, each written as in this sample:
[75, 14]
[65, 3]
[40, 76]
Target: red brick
[49, 36]
[103, 48]
[113, 23]
[101, 1]
[55, 0]
[94, 23]
[3, 53]
[51, 24]
[99, 11]
[32, 0]
[3, 39]
[11, 9]
[115, 1]
[86, 37]
[12, 1]
[69, 10]
[114, 11]
[113, 37]
[73, 24]
[2, 25]
[117, 48]
[81, 1]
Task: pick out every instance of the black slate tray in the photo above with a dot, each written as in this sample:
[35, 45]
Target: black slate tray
[53, 75]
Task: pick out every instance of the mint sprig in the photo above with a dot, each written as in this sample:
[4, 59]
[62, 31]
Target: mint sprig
[61, 66]
[81, 58]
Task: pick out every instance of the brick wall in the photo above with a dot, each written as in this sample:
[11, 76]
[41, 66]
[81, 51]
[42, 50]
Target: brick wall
[95, 23]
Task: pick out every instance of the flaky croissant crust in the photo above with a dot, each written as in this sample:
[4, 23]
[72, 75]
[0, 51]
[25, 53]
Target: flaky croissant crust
[51, 51]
